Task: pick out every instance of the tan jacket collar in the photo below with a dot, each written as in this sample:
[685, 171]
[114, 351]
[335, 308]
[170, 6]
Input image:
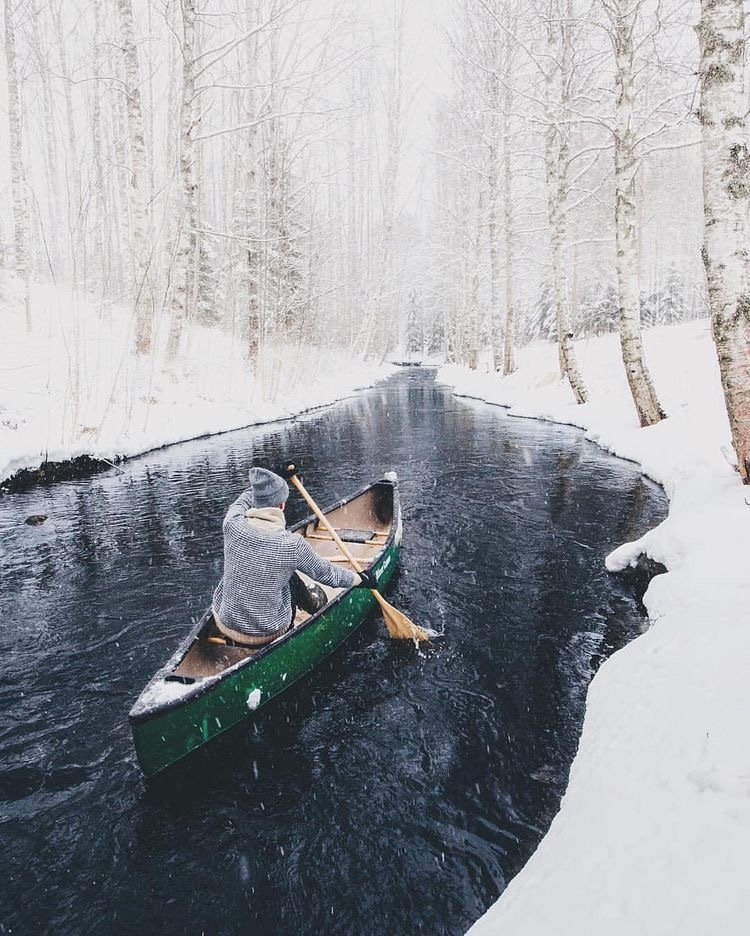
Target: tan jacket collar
[264, 517]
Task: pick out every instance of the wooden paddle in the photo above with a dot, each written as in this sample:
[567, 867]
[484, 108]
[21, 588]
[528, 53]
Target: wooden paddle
[398, 624]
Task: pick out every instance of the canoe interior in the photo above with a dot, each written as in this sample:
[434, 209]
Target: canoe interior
[363, 523]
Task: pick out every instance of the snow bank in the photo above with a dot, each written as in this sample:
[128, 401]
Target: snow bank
[653, 834]
[73, 387]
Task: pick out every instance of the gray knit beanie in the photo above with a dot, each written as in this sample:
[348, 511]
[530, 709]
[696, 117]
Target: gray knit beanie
[269, 490]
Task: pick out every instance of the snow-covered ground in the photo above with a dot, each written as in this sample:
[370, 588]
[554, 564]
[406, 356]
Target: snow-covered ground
[73, 386]
[653, 835]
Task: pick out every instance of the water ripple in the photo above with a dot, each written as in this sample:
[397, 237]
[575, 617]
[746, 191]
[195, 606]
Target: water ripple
[393, 790]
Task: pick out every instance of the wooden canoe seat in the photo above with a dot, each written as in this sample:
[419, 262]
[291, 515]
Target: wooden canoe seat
[363, 552]
[371, 512]
[352, 536]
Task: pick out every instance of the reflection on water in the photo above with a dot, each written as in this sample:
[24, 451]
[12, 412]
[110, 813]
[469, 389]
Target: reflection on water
[392, 790]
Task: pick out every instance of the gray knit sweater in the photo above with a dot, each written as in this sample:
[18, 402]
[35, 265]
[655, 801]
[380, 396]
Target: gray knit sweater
[260, 557]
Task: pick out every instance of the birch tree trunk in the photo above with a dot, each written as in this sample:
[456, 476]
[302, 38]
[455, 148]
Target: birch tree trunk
[353, 246]
[556, 155]
[493, 164]
[726, 196]
[53, 213]
[99, 199]
[473, 324]
[143, 294]
[116, 131]
[509, 364]
[73, 173]
[183, 295]
[626, 167]
[271, 277]
[250, 195]
[17, 174]
[388, 303]
[172, 223]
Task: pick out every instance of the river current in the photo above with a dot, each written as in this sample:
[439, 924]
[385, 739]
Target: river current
[394, 790]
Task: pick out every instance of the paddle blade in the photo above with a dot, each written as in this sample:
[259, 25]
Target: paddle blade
[399, 626]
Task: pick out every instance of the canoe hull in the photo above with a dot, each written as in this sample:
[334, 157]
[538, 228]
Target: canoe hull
[165, 736]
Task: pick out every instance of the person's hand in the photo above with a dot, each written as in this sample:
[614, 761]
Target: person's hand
[368, 580]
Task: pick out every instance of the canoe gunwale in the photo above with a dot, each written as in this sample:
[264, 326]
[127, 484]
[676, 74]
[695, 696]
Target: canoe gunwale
[209, 683]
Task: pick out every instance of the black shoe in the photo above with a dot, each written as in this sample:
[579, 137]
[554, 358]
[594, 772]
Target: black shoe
[318, 596]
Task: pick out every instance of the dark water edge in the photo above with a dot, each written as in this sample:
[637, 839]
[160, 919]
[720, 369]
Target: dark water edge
[390, 791]
[51, 472]
[85, 466]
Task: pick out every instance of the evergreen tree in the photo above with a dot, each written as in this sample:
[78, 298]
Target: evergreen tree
[414, 329]
[665, 306]
[649, 305]
[210, 299]
[285, 263]
[598, 312]
[672, 300]
[541, 323]
[435, 335]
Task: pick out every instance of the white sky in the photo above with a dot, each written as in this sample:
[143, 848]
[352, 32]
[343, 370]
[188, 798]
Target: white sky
[427, 61]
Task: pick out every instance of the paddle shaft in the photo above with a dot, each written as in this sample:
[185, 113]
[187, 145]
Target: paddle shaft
[336, 538]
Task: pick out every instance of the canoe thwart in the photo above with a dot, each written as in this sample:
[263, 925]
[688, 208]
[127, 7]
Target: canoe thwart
[348, 536]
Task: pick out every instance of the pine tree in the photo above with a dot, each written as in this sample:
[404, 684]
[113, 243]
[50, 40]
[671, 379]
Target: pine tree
[435, 335]
[664, 306]
[604, 311]
[672, 300]
[286, 266]
[649, 303]
[541, 323]
[414, 329]
[210, 298]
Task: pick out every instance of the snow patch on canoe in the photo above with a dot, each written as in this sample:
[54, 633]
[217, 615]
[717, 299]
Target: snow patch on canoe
[160, 692]
[253, 699]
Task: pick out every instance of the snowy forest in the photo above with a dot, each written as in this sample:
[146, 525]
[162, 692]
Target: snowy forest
[447, 182]
[218, 218]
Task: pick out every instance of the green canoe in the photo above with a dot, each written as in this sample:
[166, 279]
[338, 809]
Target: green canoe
[207, 686]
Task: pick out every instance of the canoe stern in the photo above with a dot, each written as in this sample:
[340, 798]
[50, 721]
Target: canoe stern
[169, 730]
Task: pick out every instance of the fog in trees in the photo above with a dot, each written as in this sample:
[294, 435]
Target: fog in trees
[450, 180]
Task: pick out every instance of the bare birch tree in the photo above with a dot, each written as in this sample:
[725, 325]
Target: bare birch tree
[250, 197]
[142, 290]
[726, 198]
[624, 16]
[557, 85]
[491, 46]
[99, 196]
[183, 293]
[388, 307]
[509, 364]
[73, 162]
[52, 213]
[18, 175]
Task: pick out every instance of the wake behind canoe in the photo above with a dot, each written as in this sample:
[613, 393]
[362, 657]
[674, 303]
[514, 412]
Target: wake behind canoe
[207, 686]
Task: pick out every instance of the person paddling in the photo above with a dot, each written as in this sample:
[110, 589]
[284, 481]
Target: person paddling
[258, 596]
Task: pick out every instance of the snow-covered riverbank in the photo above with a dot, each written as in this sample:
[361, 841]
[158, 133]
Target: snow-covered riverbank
[653, 835]
[73, 387]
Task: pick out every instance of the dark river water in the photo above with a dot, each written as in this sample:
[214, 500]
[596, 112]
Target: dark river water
[393, 791]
